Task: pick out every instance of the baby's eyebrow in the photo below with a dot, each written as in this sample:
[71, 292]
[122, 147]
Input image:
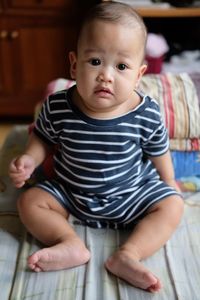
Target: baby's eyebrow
[124, 54]
[93, 50]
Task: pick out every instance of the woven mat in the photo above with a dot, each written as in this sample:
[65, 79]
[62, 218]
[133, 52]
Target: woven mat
[177, 264]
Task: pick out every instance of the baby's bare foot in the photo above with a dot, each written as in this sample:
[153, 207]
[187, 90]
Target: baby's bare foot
[61, 256]
[124, 266]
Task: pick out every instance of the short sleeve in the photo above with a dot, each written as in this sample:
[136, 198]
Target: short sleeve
[158, 142]
[44, 128]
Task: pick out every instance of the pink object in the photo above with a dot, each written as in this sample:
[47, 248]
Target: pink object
[154, 64]
[156, 45]
[155, 50]
[58, 85]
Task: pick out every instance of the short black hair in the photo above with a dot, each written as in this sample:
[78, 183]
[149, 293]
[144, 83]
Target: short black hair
[115, 12]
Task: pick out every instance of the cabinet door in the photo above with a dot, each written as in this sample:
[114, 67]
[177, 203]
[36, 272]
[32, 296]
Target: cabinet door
[44, 56]
[29, 60]
[8, 64]
[39, 3]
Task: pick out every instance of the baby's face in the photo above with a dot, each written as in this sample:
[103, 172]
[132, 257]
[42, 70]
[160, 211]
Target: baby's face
[107, 68]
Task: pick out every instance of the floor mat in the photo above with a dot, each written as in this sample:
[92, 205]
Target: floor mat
[177, 264]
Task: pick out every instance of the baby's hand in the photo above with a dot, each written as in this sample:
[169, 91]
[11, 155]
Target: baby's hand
[21, 169]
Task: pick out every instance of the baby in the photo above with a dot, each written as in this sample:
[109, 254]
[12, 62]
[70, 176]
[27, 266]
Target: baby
[112, 164]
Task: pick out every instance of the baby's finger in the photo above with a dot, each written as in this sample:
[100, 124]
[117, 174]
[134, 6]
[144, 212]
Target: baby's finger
[19, 184]
[13, 173]
[18, 177]
[15, 166]
[12, 167]
[19, 164]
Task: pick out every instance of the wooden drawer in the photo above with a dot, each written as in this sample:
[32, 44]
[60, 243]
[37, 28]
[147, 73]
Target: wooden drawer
[46, 4]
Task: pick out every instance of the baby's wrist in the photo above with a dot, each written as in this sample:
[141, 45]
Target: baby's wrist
[172, 182]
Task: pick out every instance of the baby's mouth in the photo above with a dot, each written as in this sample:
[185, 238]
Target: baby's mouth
[103, 91]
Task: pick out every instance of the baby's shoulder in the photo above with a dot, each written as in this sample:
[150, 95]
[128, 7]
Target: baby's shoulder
[151, 107]
[57, 101]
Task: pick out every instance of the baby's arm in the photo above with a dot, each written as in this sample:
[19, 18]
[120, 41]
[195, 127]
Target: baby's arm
[23, 166]
[164, 166]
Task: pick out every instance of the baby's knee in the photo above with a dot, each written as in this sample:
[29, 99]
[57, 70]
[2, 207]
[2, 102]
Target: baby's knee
[170, 208]
[176, 205]
[176, 210]
[173, 208]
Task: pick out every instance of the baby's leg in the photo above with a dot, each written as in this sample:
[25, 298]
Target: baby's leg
[150, 234]
[46, 220]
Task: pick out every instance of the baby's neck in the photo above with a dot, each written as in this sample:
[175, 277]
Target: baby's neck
[105, 114]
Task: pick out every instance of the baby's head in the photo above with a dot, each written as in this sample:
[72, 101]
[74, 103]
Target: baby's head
[108, 63]
[115, 13]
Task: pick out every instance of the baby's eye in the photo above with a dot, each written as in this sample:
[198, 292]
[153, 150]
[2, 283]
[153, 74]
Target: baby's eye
[95, 61]
[121, 67]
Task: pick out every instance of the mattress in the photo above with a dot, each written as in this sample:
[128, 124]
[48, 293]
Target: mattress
[177, 264]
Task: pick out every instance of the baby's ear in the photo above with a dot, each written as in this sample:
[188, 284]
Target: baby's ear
[72, 60]
[141, 72]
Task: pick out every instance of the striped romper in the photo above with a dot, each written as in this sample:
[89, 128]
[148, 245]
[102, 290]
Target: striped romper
[102, 172]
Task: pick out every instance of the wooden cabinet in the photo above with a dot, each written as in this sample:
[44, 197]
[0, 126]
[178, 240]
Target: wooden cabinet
[29, 59]
[157, 11]
[38, 3]
[179, 26]
[35, 38]
[171, 12]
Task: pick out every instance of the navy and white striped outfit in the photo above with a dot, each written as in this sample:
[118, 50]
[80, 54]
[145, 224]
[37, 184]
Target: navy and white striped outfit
[103, 175]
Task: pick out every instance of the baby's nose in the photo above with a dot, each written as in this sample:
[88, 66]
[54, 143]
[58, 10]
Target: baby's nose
[105, 75]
